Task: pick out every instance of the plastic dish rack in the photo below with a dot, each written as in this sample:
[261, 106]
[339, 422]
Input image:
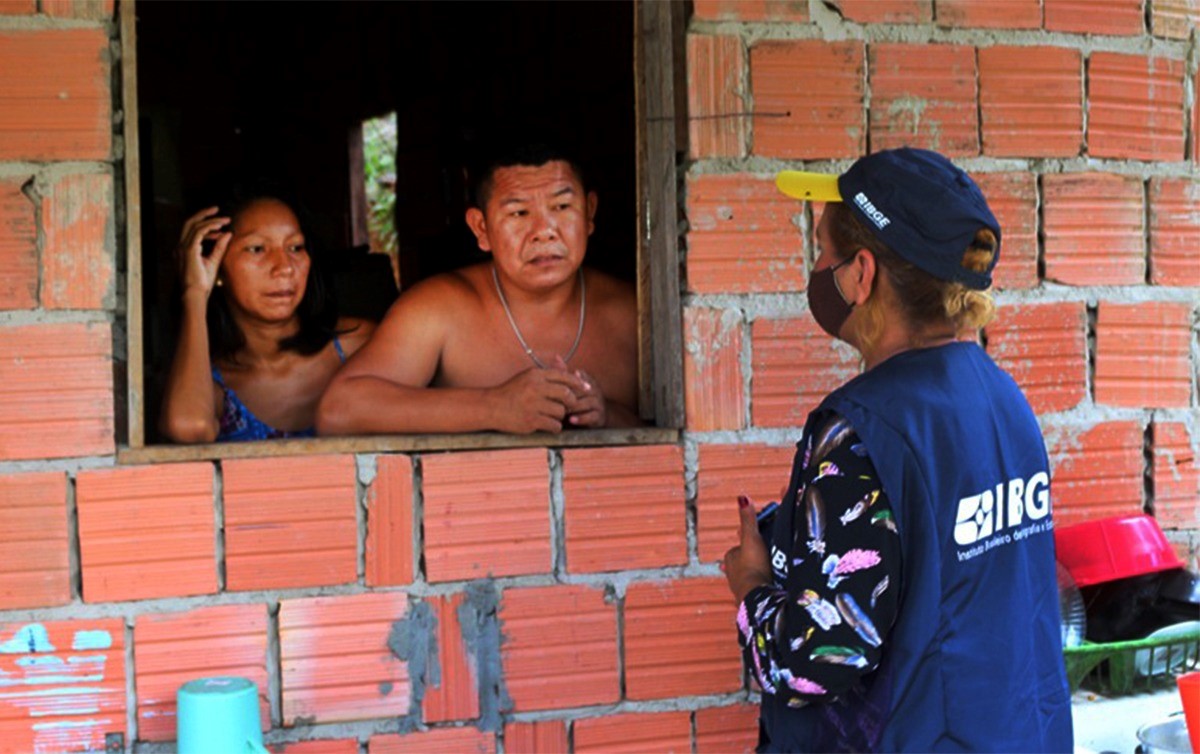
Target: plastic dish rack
[1124, 667]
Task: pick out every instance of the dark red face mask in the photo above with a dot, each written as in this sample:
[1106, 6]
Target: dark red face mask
[825, 300]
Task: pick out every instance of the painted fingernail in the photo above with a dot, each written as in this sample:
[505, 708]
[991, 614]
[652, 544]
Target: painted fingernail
[743, 501]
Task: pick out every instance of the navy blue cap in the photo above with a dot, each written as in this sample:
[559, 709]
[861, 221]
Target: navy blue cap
[920, 204]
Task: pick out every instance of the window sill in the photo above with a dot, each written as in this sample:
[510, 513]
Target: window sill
[394, 444]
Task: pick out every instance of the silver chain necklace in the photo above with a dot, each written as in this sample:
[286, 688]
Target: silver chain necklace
[516, 331]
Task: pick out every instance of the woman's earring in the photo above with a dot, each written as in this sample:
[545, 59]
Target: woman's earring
[220, 282]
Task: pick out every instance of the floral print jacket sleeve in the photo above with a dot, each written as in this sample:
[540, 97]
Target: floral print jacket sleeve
[822, 625]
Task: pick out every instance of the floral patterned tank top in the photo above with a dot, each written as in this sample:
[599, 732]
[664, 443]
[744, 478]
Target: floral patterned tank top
[239, 424]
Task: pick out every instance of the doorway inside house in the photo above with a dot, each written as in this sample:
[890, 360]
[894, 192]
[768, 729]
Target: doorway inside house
[288, 91]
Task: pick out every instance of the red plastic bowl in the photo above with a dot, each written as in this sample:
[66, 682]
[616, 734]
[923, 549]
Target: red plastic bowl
[1108, 549]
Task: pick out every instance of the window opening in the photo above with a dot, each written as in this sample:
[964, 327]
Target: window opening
[379, 187]
[291, 95]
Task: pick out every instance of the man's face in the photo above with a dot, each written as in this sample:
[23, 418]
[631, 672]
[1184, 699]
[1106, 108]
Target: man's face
[536, 224]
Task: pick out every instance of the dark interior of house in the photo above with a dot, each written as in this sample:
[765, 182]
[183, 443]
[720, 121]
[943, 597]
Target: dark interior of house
[280, 90]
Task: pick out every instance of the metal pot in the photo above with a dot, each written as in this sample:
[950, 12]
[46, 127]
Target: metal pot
[1166, 737]
[1182, 586]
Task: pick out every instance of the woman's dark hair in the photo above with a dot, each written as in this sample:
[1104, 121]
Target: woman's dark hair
[317, 310]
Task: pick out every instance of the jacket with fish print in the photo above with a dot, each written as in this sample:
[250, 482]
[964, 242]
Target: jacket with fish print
[835, 558]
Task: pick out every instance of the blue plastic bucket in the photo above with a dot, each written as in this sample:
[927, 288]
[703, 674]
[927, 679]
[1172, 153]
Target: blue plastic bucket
[218, 715]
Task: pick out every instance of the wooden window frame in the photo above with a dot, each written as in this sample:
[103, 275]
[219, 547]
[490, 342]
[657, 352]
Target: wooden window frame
[661, 139]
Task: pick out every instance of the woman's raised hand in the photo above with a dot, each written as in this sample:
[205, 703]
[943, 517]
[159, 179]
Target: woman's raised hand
[198, 270]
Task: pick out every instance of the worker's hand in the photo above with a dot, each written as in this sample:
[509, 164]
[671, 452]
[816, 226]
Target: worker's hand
[748, 565]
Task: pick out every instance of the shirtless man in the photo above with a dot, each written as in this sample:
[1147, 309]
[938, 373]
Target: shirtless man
[528, 341]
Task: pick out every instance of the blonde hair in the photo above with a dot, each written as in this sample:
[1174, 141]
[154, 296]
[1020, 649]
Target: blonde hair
[924, 300]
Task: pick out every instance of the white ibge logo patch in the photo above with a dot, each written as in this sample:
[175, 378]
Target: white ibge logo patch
[881, 220]
[779, 560]
[1005, 507]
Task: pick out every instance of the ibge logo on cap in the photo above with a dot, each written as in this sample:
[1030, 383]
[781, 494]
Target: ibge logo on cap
[881, 220]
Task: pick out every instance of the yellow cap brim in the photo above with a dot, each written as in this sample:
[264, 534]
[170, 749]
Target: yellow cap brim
[811, 187]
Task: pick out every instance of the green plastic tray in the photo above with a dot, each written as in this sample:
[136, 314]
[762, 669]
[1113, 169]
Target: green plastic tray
[1111, 667]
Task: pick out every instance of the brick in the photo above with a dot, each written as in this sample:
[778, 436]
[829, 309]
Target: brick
[455, 696]
[818, 211]
[487, 514]
[795, 365]
[716, 96]
[1185, 550]
[1115, 17]
[1135, 107]
[727, 730]
[923, 95]
[1095, 471]
[1142, 354]
[59, 105]
[1044, 348]
[1175, 474]
[1013, 198]
[35, 569]
[886, 11]
[972, 14]
[18, 248]
[1174, 19]
[64, 685]
[624, 508]
[810, 97]
[752, 10]
[760, 472]
[550, 662]
[172, 649]
[658, 664]
[335, 659]
[17, 7]
[635, 733]
[146, 531]
[56, 391]
[1094, 229]
[390, 523]
[440, 741]
[742, 236]
[1021, 119]
[536, 737]
[290, 522]
[92, 10]
[1174, 231]
[78, 267]
[325, 746]
[712, 369]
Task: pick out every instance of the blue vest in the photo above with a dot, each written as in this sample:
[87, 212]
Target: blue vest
[974, 661]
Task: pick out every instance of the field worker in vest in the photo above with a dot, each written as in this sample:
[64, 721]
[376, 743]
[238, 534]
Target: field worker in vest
[528, 341]
[906, 599]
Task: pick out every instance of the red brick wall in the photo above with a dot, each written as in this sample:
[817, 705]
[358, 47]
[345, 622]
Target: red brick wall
[570, 599]
[1079, 140]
